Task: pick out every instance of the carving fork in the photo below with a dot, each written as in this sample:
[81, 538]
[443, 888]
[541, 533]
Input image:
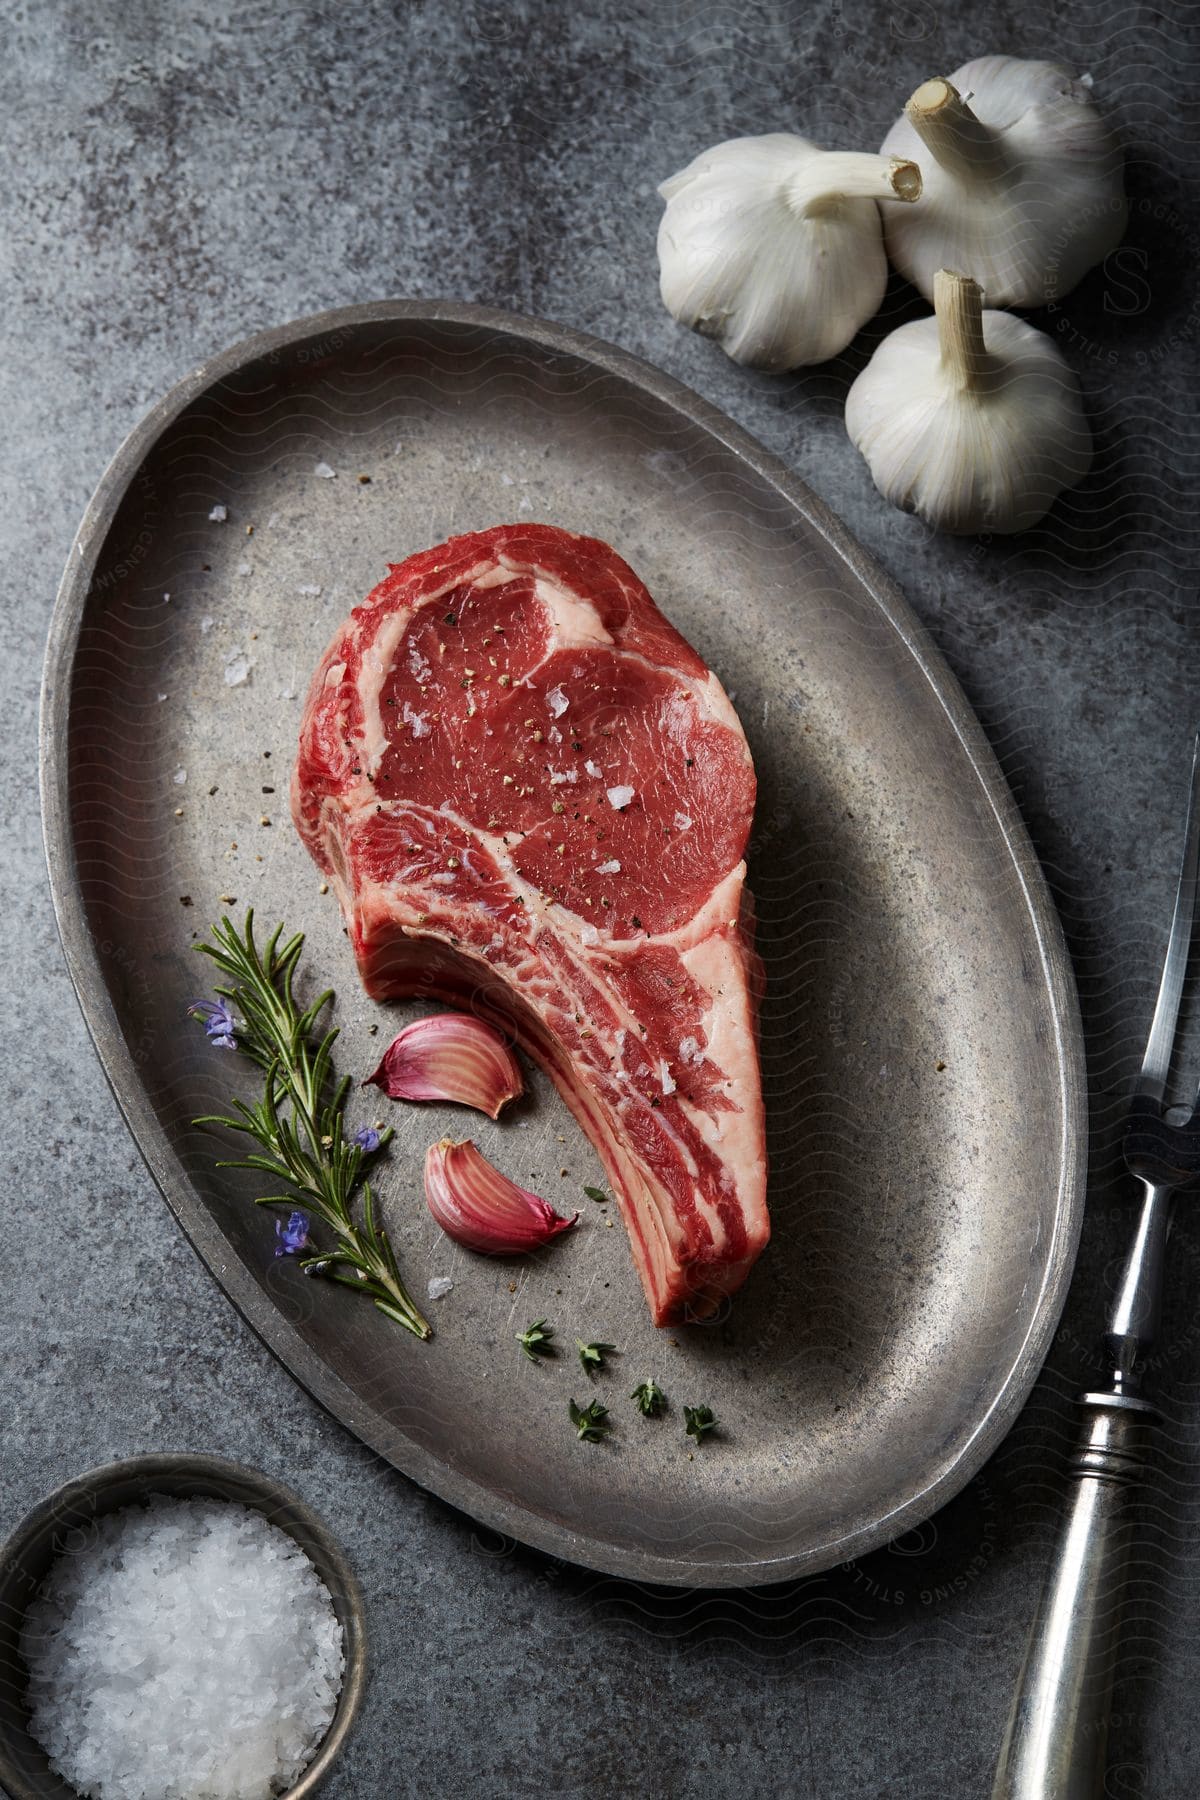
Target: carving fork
[1056, 1741]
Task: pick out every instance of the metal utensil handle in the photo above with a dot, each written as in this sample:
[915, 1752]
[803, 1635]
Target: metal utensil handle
[1054, 1747]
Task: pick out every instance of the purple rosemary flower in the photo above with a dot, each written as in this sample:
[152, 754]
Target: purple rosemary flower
[218, 1022]
[292, 1234]
[367, 1139]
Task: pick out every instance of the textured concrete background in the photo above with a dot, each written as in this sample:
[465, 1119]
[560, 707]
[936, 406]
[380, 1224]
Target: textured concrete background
[175, 177]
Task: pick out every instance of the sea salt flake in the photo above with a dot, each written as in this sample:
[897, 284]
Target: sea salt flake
[420, 725]
[557, 701]
[690, 1051]
[179, 777]
[557, 778]
[237, 669]
[188, 1647]
[619, 797]
[611, 867]
[439, 1287]
[325, 472]
[665, 1080]
[219, 514]
[682, 822]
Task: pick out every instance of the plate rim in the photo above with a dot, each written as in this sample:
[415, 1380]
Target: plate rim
[480, 1502]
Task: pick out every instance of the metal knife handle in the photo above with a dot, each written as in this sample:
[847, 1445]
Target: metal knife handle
[1055, 1744]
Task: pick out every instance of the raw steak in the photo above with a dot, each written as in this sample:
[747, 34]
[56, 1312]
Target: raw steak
[532, 799]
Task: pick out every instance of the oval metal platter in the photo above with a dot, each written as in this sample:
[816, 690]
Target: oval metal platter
[920, 1041]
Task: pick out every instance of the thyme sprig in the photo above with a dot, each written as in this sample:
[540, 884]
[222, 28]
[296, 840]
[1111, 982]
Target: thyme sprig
[593, 1356]
[535, 1340]
[298, 1122]
[649, 1397]
[591, 1421]
[698, 1421]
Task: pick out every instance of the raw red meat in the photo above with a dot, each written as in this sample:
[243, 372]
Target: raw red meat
[532, 799]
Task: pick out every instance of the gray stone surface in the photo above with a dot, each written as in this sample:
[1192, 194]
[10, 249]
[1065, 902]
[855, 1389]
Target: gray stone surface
[176, 177]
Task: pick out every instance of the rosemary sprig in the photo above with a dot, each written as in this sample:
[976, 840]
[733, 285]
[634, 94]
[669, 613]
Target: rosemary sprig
[298, 1121]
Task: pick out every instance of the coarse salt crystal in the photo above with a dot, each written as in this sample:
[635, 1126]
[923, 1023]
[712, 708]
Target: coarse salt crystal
[619, 797]
[611, 867]
[557, 701]
[439, 1287]
[592, 769]
[179, 777]
[682, 822]
[219, 514]
[237, 669]
[189, 1647]
[243, 568]
[665, 1080]
[309, 591]
[690, 1051]
[557, 779]
[420, 725]
[325, 472]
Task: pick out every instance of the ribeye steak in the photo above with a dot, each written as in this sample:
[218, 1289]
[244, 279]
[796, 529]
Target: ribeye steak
[532, 798]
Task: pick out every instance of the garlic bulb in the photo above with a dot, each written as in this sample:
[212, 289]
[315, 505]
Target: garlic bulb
[1022, 181]
[971, 419]
[774, 247]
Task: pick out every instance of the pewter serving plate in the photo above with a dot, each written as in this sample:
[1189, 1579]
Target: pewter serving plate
[920, 1043]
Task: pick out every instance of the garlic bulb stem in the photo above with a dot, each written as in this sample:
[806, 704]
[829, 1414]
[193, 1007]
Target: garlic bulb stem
[959, 142]
[833, 176]
[958, 303]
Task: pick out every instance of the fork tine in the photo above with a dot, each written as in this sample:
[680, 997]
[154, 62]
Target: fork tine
[1152, 1078]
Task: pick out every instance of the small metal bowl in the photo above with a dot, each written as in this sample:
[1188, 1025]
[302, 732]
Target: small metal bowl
[61, 1522]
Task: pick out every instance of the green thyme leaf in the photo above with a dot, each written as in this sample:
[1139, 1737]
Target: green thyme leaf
[591, 1356]
[590, 1421]
[650, 1398]
[298, 1122]
[535, 1340]
[698, 1421]
[596, 1194]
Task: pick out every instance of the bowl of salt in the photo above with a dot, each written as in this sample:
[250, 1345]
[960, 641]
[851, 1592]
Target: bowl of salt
[175, 1626]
